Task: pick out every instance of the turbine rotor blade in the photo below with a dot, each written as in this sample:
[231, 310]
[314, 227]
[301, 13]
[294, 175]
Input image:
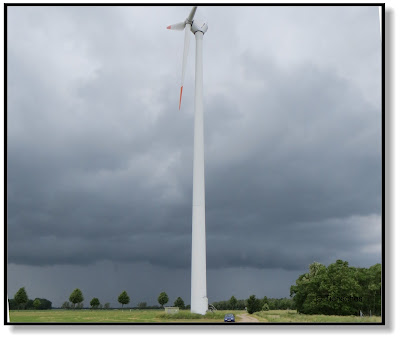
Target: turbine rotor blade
[185, 55]
[191, 15]
[180, 98]
[177, 27]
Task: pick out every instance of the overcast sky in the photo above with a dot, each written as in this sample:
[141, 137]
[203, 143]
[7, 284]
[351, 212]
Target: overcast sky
[99, 157]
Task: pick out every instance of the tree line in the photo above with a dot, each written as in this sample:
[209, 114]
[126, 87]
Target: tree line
[338, 289]
[334, 290]
[22, 302]
[76, 298]
[76, 301]
[255, 304]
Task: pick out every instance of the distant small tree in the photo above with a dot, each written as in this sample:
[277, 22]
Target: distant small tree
[179, 303]
[142, 305]
[36, 303]
[107, 305]
[124, 298]
[76, 298]
[94, 303]
[233, 303]
[66, 305]
[21, 297]
[163, 299]
[253, 304]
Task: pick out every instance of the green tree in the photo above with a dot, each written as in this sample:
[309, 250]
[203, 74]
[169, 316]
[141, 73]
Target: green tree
[337, 289]
[66, 305]
[142, 305]
[272, 304]
[241, 304]
[253, 304]
[76, 298]
[265, 307]
[107, 305]
[233, 303]
[95, 303]
[179, 303]
[36, 303]
[374, 289]
[21, 297]
[264, 300]
[163, 299]
[123, 298]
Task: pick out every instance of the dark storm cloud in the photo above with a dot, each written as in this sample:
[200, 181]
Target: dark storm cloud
[288, 147]
[100, 159]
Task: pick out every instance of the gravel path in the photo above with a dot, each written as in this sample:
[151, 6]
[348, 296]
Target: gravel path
[245, 318]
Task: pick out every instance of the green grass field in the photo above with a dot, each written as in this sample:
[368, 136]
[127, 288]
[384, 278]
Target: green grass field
[184, 316]
[113, 316]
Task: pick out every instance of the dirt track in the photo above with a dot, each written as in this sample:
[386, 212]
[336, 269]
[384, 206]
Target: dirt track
[245, 318]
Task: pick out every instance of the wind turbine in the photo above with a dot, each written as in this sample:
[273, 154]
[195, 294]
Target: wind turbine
[199, 300]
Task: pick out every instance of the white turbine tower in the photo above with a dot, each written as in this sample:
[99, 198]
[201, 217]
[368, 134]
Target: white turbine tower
[199, 300]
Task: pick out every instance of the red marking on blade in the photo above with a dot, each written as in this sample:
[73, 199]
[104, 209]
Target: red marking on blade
[169, 27]
[180, 99]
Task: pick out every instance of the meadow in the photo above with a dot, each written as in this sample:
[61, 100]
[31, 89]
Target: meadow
[291, 316]
[184, 316]
[113, 316]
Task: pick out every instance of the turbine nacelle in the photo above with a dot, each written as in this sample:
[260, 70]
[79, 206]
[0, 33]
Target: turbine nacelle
[195, 26]
[199, 26]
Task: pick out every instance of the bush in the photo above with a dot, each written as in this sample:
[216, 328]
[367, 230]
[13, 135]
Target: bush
[179, 303]
[44, 304]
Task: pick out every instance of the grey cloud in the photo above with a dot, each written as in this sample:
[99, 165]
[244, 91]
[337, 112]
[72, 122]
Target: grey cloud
[100, 159]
